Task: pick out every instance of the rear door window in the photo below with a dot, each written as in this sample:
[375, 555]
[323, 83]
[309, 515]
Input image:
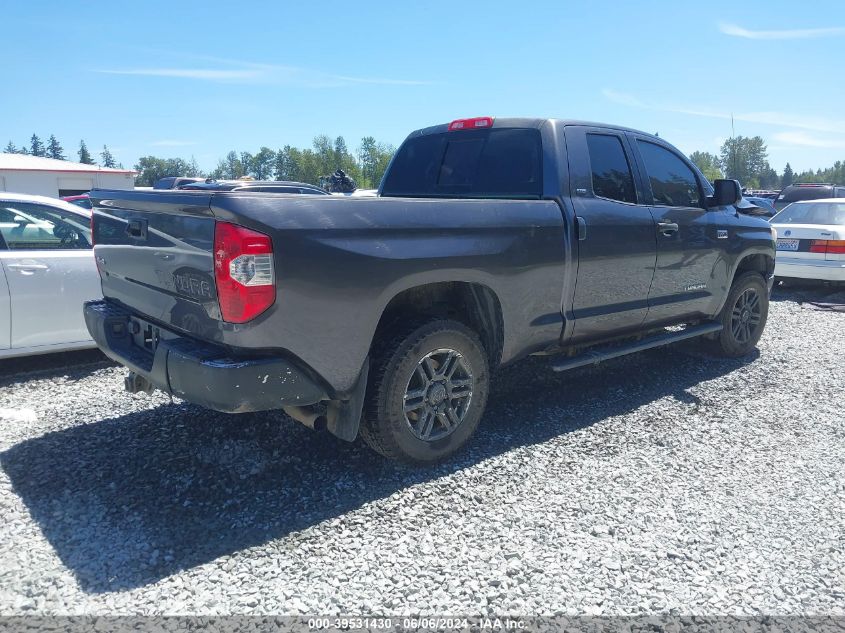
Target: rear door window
[673, 183]
[611, 172]
[503, 163]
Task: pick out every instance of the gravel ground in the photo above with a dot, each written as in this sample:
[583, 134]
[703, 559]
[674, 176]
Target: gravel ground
[666, 482]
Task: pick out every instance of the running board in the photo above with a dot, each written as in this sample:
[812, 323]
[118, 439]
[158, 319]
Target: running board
[598, 354]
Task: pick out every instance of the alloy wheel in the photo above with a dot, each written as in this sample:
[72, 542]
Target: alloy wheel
[438, 394]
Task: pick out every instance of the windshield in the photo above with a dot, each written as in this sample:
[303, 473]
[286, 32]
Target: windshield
[812, 213]
[499, 163]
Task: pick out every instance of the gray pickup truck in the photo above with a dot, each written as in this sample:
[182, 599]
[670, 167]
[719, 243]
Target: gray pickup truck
[490, 240]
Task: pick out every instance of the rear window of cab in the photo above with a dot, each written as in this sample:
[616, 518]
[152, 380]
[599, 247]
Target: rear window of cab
[495, 163]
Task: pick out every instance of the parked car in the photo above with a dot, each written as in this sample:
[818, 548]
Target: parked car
[811, 240]
[80, 201]
[762, 193]
[265, 186]
[758, 206]
[808, 191]
[48, 272]
[174, 182]
[490, 240]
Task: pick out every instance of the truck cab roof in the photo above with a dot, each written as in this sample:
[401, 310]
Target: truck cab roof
[526, 122]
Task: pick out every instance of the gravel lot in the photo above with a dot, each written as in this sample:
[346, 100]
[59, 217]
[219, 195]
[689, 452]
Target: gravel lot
[664, 482]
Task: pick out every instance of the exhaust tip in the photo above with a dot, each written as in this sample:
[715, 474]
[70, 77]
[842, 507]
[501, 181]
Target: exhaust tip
[320, 423]
[310, 418]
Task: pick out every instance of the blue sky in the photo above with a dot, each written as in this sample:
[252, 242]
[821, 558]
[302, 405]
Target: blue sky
[198, 79]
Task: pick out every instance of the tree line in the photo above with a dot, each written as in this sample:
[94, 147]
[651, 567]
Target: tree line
[742, 158]
[746, 159]
[365, 166]
[54, 149]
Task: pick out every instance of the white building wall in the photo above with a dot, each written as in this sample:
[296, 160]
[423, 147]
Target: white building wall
[48, 183]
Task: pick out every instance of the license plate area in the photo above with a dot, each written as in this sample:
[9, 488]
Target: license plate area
[787, 245]
[145, 336]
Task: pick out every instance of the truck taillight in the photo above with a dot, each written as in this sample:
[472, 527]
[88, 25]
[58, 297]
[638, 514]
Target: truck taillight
[243, 270]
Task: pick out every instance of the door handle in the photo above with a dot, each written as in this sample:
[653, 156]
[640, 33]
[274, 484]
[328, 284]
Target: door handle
[667, 228]
[27, 267]
[581, 223]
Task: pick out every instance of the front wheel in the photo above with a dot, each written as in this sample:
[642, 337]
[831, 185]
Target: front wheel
[743, 317]
[427, 393]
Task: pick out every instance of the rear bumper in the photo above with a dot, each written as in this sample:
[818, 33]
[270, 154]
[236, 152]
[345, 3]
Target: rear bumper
[827, 270]
[205, 374]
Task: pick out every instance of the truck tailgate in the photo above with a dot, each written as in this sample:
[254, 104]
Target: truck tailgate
[155, 255]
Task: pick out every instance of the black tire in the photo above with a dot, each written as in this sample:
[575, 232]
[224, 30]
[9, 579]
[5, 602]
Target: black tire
[401, 365]
[743, 316]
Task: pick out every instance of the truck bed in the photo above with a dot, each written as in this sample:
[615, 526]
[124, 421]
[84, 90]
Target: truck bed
[333, 256]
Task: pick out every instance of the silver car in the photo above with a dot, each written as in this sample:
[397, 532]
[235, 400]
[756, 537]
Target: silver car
[47, 272]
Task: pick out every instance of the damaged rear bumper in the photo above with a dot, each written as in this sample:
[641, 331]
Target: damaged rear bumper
[202, 373]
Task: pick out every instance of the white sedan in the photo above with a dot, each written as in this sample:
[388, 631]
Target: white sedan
[47, 271]
[811, 240]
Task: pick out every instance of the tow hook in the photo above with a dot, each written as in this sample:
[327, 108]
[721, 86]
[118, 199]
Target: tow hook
[135, 383]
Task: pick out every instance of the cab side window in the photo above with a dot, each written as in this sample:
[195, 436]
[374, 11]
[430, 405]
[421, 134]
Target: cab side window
[673, 183]
[611, 172]
[36, 227]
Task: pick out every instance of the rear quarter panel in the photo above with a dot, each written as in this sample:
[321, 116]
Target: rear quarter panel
[339, 262]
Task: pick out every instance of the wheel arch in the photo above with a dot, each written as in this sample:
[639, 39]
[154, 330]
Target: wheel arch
[474, 304]
[762, 263]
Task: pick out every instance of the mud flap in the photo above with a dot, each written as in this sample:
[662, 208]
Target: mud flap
[343, 417]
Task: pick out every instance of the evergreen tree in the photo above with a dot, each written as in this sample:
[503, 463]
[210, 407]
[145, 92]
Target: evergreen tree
[262, 163]
[108, 159]
[84, 154]
[228, 168]
[285, 164]
[788, 176]
[373, 158]
[10, 148]
[36, 147]
[193, 169]
[769, 178]
[246, 164]
[341, 154]
[54, 149]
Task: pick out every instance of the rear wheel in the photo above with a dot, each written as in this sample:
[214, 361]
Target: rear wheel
[743, 317]
[427, 393]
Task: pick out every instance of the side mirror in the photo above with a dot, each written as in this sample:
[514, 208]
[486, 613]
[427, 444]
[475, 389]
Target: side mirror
[727, 193]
